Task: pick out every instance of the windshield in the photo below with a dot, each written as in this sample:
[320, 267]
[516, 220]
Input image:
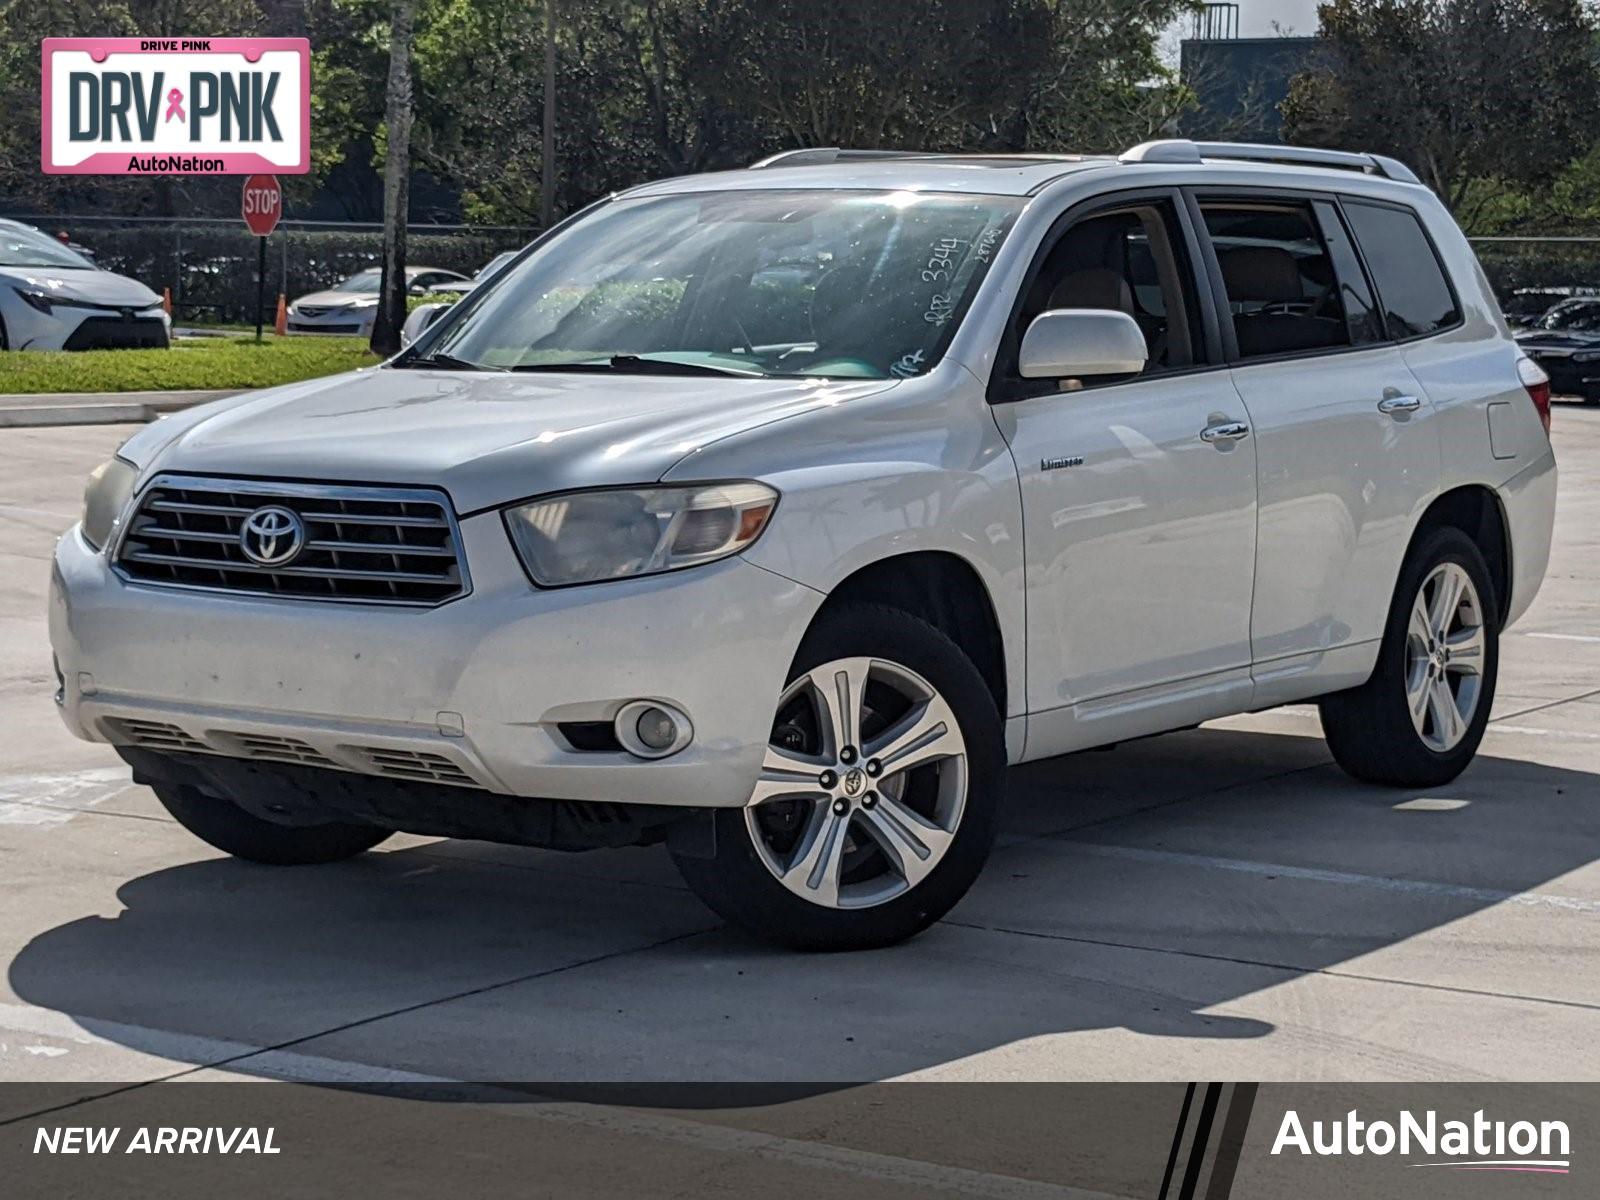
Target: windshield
[365, 281]
[1583, 316]
[29, 248]
[827, 283]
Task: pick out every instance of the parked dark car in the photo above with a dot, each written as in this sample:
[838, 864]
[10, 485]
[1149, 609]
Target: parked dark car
[1566, 343]
[1526, 305]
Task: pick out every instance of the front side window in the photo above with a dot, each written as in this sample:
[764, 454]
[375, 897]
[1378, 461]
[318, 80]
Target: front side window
[831, 283]
[1130, 260]
[1415, 295]
[1283, 293]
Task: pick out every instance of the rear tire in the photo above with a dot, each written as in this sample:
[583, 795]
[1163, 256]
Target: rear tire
[229, 828]
[1418, 720]
[865, 838]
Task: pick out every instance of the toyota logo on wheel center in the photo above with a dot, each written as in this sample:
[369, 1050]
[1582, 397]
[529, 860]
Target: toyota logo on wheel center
[272, 536]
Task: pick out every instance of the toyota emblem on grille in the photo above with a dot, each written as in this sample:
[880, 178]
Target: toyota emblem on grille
[272, 536]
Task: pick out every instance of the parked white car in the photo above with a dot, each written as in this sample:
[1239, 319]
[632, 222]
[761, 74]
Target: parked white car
[350, 307]
[771, 514]
[53, 298]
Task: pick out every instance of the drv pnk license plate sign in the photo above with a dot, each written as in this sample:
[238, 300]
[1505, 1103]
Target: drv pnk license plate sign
[176, 106]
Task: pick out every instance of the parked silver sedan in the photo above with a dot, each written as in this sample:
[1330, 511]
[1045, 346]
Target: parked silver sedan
[351, 306]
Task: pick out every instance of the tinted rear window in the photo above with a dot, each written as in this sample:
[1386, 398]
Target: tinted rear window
[1415, 297]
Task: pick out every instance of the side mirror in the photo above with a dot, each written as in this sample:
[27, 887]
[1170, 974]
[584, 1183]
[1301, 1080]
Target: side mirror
[416, 289]
[418, 320]
[1081, 342]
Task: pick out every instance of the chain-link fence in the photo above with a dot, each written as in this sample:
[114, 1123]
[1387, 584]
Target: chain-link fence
[209, 263]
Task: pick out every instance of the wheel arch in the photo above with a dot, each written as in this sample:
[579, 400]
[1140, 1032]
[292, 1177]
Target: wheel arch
[1475, 510]
[942, 589]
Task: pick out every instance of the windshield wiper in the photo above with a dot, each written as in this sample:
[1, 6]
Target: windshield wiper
[633, 364]
[448, 361]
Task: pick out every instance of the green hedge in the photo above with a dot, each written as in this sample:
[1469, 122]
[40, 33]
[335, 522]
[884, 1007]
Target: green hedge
[1513, 265]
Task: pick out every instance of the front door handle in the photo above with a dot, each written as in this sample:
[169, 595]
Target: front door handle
[1390, 405]
[1228, 431]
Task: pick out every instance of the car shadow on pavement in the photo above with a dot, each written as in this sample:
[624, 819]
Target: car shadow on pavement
[1160, 889]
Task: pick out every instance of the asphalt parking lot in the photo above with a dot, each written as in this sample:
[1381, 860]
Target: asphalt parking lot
[1220, 903]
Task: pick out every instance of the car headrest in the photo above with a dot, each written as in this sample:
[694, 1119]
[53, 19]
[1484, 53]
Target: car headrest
[1096, 287]
[1265, 274]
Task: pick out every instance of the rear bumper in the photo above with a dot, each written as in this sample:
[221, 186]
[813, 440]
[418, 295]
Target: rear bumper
[1529, 502]
[466, 694]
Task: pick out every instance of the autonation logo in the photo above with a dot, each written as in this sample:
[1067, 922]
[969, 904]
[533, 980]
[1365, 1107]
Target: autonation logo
[1476, 1145]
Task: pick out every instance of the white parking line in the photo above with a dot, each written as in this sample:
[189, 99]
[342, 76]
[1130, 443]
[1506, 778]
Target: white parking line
[56, 799]
[290, 1066]
[1534, 730]
[1422, 887]
[1564, 637]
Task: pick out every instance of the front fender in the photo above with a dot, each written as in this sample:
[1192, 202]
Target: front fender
[922, 467]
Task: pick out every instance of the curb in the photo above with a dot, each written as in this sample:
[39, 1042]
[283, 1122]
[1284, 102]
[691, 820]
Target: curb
[98, 408]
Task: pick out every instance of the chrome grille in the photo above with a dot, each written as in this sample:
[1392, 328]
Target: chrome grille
[374, 545]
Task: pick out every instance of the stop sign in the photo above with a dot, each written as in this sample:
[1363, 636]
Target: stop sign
[262, 204]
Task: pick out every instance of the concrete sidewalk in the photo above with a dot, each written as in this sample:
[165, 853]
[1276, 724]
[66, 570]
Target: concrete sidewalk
[98, 408]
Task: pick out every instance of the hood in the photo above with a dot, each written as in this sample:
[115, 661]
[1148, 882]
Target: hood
[486, 438]
[333, 299]
[92, 287]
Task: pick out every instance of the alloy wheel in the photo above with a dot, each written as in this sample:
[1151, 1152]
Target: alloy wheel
[863, 784]
[1445, 647]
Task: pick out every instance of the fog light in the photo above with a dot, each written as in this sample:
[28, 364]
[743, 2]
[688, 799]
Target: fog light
[656, 728]
[651, 729]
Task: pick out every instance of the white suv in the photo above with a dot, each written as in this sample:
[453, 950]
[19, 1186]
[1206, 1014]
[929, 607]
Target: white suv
[771, 514]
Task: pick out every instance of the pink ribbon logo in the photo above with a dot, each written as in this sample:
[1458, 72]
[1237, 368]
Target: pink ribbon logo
[175, 105]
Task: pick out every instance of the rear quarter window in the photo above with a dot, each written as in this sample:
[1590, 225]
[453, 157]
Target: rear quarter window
[1412, 289]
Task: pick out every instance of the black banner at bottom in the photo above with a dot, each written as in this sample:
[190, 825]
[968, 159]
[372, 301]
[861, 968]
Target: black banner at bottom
[1036, 1141]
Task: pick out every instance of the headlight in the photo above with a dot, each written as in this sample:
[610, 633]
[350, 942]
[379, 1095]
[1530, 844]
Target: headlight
[110, 485]
[584, 537]
[34, 298]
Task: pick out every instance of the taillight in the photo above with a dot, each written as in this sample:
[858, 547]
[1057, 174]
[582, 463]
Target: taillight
[1538, 385]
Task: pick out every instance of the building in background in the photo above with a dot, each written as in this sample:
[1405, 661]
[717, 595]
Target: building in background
[1238, 82]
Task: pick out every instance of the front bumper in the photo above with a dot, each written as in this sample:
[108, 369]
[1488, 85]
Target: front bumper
[467, 693]
[70, 327]
[350, 322]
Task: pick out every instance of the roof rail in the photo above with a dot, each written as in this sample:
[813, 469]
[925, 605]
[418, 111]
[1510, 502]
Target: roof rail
[813, 156]
[1182, 150]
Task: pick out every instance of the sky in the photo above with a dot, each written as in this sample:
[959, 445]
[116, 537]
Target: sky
[1257, 16]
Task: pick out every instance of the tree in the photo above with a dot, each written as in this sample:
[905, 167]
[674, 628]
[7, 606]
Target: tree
[24, 23]
[1461, 90]
[396, 182]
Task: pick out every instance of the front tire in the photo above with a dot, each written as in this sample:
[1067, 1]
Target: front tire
[878, 797]
[1418, 721]
[229, 828]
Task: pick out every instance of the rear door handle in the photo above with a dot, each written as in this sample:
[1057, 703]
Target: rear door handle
[1399, 404]
[1228, 431]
